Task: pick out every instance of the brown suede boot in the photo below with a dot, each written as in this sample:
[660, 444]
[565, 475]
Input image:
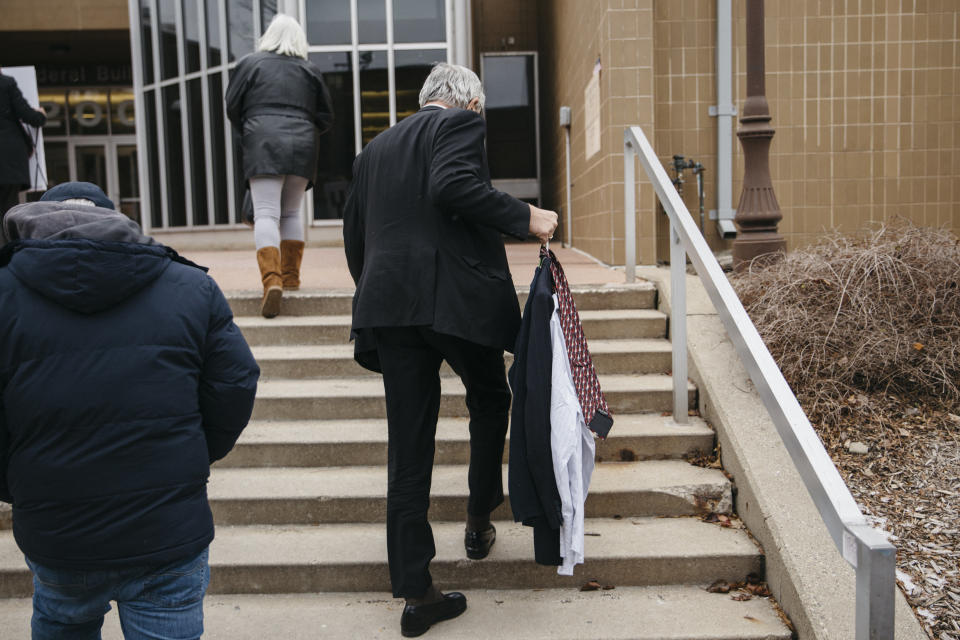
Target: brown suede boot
[291, 254]
[269, 260]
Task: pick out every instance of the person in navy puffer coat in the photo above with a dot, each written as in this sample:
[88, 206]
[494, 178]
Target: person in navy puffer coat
[122, 378]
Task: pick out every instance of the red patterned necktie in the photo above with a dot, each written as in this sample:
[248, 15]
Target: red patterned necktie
[596, 412]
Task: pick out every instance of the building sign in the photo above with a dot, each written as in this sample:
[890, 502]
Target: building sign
[89, 111]
[591, 112]
[84, 75]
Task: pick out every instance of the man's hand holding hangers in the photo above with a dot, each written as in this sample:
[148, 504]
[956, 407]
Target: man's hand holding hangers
[543, 223]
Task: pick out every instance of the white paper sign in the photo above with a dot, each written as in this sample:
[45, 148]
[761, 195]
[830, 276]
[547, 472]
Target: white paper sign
[591, 113]
[26, 78]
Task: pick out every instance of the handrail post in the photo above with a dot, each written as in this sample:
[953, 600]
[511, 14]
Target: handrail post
[630, 208]
[876, 576]
[678, 326]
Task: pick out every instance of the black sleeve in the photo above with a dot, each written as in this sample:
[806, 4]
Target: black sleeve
[353, 223]
[24, 111]
[235, 92]
[228, 382]
[458, 186]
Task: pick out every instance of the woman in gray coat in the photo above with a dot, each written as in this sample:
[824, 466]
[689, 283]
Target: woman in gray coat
[279, 105]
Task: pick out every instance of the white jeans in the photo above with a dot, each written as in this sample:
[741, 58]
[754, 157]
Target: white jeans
[276, 209]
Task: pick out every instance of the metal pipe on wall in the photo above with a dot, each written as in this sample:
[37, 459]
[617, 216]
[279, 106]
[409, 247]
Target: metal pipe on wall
[565, 124]
[724, 112]
[463, 49]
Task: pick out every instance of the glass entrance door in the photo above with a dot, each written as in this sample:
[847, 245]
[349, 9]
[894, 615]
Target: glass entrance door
[111, 164]
[510, 82]
[128, 186]
[91, 161]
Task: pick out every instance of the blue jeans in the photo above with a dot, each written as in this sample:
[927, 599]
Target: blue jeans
[160, 603]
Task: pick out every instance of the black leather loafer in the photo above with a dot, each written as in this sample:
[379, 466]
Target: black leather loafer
[418, 618]
[478, 543]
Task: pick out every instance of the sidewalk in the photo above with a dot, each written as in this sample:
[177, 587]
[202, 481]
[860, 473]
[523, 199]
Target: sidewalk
[325, 269]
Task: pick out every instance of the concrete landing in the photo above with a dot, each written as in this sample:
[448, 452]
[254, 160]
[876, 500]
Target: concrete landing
[325, 268]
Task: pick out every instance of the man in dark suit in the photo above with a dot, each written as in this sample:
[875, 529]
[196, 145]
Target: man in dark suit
[422, 232]
[15, 143]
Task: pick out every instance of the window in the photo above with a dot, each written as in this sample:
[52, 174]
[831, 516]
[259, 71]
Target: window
[214, 46]
[268, 9]
[335, 166]
[168, 39]
[146, 41]
[240, 28]
[191, 39]
[509, 85]
[373, 62]
[173, 150]
[372, 27]
[419, 21]
[328, 22]
[412, 68]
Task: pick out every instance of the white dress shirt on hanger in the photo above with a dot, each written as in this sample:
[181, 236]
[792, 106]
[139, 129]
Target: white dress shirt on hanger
[573, 450]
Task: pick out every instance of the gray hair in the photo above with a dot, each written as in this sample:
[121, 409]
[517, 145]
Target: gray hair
[452, 85]
[284, 36]
[80, 201]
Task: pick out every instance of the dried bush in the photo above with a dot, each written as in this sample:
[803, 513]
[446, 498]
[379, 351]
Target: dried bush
[879, 311]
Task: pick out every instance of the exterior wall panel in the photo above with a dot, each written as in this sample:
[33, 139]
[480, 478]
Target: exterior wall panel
[64, 15]
[575, 34]
[863, 98]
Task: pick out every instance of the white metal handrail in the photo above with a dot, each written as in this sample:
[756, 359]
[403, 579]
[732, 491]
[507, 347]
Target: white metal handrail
[863, 546]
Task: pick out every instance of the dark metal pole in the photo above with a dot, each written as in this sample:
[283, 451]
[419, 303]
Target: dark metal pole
[758, 212]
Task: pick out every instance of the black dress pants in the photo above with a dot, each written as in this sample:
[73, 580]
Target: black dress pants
[410, 359]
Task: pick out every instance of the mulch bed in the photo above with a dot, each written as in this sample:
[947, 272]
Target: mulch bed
[866, 329]
[908, 484]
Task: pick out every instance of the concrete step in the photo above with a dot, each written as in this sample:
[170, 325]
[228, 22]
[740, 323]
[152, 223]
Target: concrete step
[295, 330]
[358, 494]
[335, 329]
[642, 295]
[353, 557]
[347, 398]
[625, 613]
[335, 360]
[295, 303]
[326, 443]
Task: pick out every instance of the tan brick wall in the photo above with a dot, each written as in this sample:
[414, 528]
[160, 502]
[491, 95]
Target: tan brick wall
[575, 34]
[684, 89]
[496, 22]
[863, 95]
[63, 15]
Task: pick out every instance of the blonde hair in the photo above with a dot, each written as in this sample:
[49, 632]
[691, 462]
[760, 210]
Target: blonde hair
[284, 36]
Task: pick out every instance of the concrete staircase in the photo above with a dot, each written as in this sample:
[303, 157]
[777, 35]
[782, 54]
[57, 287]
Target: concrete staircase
[300, 503]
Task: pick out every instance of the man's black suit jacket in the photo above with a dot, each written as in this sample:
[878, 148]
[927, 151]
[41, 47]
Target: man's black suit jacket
[422, 231]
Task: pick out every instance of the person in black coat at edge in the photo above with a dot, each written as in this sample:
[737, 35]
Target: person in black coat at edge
[122, 378]
[15, 143]
[279, 106]
[422, 233]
